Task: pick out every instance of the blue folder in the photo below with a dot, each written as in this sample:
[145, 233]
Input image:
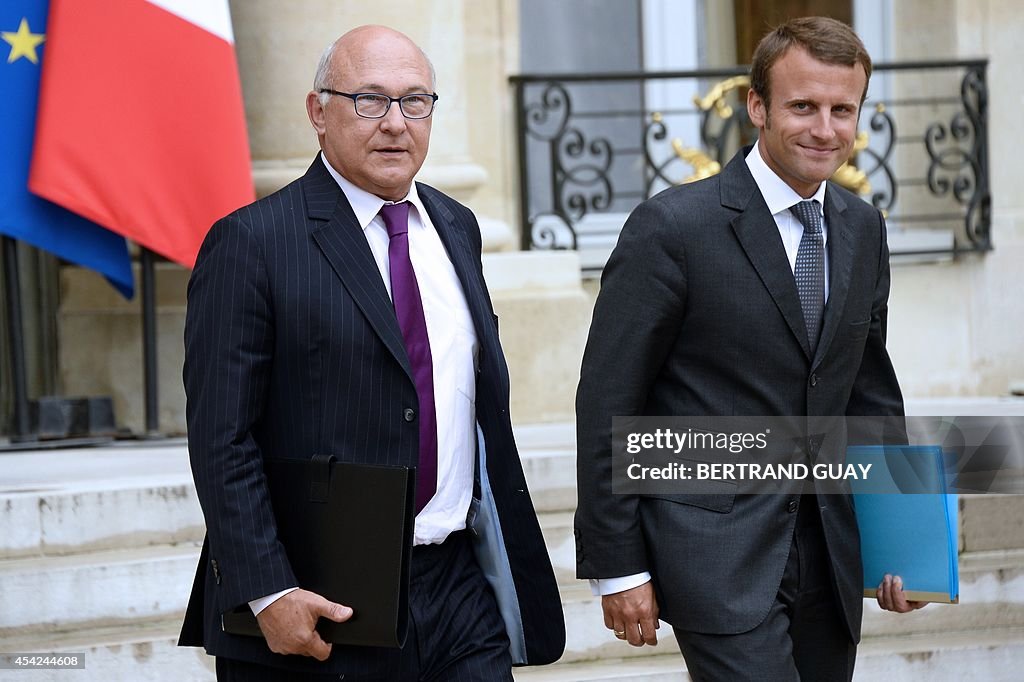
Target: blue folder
[908, 523]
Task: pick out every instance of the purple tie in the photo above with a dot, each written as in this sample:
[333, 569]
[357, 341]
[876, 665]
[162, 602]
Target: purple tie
[405, 293]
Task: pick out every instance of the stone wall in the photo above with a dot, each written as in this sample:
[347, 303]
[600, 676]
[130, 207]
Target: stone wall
[956, 328]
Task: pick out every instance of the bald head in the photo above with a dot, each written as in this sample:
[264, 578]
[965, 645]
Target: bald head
[362, 43]
[377, 147]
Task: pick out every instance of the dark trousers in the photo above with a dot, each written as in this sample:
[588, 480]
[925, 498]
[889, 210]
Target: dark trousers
[803, 637]
[455, 631]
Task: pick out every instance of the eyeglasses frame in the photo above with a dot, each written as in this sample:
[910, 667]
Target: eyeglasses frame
[354, 95]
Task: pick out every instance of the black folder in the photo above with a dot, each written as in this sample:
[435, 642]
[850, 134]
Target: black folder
[347, 530]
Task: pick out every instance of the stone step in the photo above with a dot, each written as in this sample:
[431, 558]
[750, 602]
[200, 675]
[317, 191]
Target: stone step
[147, 651]
[143, 650]
[129, 514]
[663, 667]
[991, 596]
[118, 592]
[134, 512]
[61, 502]
[117, 584]
[551, 476]
[91, 499]
[82, 591]
[126, 496]
[548, 454]
[991, 655]
[107, 537]
[124, 515]
[561, 543]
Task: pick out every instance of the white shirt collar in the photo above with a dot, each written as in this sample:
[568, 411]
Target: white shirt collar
[366, 205]
[777, 194]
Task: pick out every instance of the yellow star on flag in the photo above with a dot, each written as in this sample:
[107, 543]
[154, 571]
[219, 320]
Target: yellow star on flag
[23, 43]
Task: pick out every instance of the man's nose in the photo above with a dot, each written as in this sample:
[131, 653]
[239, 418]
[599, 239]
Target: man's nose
[394, 121]
[824, 127]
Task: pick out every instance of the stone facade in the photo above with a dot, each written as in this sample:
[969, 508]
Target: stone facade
[955, 327]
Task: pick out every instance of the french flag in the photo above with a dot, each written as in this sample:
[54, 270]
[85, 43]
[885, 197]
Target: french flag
[141, 126]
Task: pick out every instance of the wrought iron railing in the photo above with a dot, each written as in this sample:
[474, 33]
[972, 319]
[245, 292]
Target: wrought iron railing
[592, 146]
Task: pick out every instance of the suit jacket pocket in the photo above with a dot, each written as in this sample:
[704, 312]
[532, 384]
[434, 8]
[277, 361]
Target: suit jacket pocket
[859, 330]
[719, 497]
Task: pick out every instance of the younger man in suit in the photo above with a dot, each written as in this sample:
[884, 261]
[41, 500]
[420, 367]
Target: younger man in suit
[759, 292]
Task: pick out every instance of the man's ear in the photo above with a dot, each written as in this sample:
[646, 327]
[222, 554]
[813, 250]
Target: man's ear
[757, 110]
[317, 115]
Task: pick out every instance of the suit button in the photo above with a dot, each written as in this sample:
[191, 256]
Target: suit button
[216, 570]
[793, 506]
[409, 414]
[814, 380]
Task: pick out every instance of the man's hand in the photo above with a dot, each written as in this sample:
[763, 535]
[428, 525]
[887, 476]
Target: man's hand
[632, 615]
[891, 598]
[289, 623]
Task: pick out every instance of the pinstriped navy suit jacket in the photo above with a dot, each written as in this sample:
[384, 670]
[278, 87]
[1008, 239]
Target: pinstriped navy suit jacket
[292, 348]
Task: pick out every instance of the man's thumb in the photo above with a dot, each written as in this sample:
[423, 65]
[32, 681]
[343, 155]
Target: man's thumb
[336, 612]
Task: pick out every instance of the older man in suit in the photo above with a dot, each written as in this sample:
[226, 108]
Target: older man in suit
[347, 314]
[759, 292]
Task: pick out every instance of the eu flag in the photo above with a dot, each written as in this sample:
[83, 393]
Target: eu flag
[23, 215]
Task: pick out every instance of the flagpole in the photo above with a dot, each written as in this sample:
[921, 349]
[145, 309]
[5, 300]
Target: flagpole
[22, 430]
[149, 342]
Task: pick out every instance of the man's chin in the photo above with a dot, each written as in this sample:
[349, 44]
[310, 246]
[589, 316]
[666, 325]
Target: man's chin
[392, 189]
[819, 173]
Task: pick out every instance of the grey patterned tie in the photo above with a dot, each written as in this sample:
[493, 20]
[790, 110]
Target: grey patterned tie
[810, 269]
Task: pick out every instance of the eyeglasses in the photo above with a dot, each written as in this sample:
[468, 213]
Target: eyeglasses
[377, 105]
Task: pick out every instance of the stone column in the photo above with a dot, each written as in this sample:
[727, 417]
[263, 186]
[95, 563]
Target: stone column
[278, 47]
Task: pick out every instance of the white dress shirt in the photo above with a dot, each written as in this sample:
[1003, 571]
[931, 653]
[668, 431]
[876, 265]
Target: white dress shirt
[453, 349]
[779, 196]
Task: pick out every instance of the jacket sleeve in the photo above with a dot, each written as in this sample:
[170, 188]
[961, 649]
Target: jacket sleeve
[876, 390]
[637, 318]
[229, 348]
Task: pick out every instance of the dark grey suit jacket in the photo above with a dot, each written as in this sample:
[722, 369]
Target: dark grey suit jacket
[698, 315]
[292, 348]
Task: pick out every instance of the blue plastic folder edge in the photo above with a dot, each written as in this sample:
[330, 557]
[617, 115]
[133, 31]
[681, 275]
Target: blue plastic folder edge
[913, 535]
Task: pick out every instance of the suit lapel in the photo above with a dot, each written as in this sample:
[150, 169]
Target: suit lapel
[337, 232]
[453, 236]
[756, 231]
[840, 266]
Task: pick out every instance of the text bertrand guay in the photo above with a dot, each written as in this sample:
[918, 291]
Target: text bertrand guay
[729, 471]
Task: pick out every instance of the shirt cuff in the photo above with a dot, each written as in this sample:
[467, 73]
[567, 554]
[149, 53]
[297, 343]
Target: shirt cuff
[606, 586]
[258, 605]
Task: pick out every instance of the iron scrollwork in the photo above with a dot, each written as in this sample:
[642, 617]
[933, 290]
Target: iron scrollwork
[546, 119]
[884, 194]
[655, 134]
[957, 162]
[581, 174]
[579, 169]
[576, 161]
